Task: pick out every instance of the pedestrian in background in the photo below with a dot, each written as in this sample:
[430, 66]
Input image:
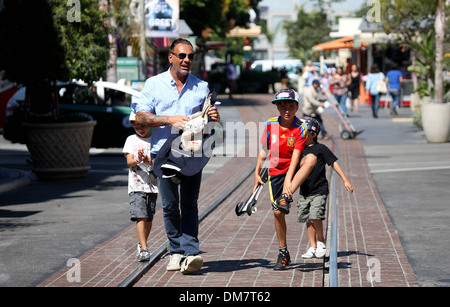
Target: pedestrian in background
[142, 184]
[355, 81]
[374, 77]
[311, 104]
[394, 79]
[231, 78]
[284, 78]
[340, 83]
[325, 79]
[309, 73]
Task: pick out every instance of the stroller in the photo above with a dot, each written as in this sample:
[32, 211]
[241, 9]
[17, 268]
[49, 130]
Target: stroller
[346, 128]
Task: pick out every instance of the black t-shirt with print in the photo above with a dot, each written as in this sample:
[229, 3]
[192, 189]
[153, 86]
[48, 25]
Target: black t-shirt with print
[317, 183]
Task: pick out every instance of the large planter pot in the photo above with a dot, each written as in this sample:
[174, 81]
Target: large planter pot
[436, 122]
[60, 150]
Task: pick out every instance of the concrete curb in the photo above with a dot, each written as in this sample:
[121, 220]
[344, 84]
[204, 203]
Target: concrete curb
[24, 178]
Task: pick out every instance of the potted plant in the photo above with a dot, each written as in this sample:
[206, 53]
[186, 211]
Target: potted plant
[435, 113]
[406, 19]
[45, 42]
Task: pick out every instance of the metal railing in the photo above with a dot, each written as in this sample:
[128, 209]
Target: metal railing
[332, 233]
[333, 278]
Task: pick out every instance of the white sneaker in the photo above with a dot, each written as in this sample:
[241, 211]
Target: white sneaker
[138, 250]
[310, 253]
[144, 255]
[320, 250]
[174, 262]
[191, 264]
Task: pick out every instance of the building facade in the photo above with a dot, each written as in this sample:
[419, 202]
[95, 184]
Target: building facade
[275, 13]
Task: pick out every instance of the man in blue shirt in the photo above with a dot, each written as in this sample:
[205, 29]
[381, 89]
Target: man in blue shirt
[394, 78]
[167, 101]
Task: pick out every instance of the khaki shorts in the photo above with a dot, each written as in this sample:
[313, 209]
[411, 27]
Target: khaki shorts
[142, 205]
[311, 208]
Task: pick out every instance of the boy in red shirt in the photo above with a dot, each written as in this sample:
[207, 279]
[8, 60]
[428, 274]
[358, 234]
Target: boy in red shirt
[283, 141]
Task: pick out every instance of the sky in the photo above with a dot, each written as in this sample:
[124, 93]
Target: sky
[346, 5]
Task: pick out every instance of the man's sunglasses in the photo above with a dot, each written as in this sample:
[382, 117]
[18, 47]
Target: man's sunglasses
[181, 56]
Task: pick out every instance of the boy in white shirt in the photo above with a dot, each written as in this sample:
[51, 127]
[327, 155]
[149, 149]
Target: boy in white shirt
[142, 184]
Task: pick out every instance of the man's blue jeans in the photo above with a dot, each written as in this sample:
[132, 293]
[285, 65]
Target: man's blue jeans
[180, 212]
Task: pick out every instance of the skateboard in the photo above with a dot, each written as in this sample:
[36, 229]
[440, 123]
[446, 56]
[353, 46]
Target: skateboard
[249, 206]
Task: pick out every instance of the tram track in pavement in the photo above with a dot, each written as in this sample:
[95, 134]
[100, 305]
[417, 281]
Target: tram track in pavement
[137, 274]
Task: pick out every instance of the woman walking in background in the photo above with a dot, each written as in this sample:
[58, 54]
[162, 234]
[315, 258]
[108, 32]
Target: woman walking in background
[340, 89]
[355, 80]
[372, 86]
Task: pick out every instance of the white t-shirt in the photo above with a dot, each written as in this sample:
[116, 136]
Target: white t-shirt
[141, 177]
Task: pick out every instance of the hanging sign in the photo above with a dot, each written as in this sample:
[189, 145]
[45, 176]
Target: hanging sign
[162, 18]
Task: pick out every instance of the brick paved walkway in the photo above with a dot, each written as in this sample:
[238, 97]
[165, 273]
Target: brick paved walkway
[366, 235]
[241, 251]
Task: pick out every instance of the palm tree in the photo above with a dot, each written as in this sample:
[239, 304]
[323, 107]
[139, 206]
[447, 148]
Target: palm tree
[440, 33]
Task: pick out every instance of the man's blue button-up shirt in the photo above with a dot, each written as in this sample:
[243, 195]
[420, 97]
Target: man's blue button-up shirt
[160, 97]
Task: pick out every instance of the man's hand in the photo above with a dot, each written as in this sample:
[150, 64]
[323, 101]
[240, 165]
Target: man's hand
[178, 121]
[213, 113]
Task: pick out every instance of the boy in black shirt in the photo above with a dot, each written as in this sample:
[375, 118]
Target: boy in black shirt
[314, 188]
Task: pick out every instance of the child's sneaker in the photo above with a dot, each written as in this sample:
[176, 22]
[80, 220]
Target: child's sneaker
[284, 259]
[144, 255]
[138, 250]
[311, 253]
[283, 203]
[320, 250]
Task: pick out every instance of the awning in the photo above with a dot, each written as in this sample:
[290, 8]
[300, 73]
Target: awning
[254, 31]
[340, 43]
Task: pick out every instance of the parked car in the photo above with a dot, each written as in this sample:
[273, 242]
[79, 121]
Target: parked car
[106, 102]
[293, 68]
[266, 65]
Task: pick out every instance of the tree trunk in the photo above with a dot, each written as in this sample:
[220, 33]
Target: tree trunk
[440, 32]
[111, 73]
[142, 40]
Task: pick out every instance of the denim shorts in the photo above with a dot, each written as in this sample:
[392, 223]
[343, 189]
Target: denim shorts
[142, 205]
[311, 208]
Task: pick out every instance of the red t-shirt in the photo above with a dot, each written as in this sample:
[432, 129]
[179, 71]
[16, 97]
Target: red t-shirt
[281, 143]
